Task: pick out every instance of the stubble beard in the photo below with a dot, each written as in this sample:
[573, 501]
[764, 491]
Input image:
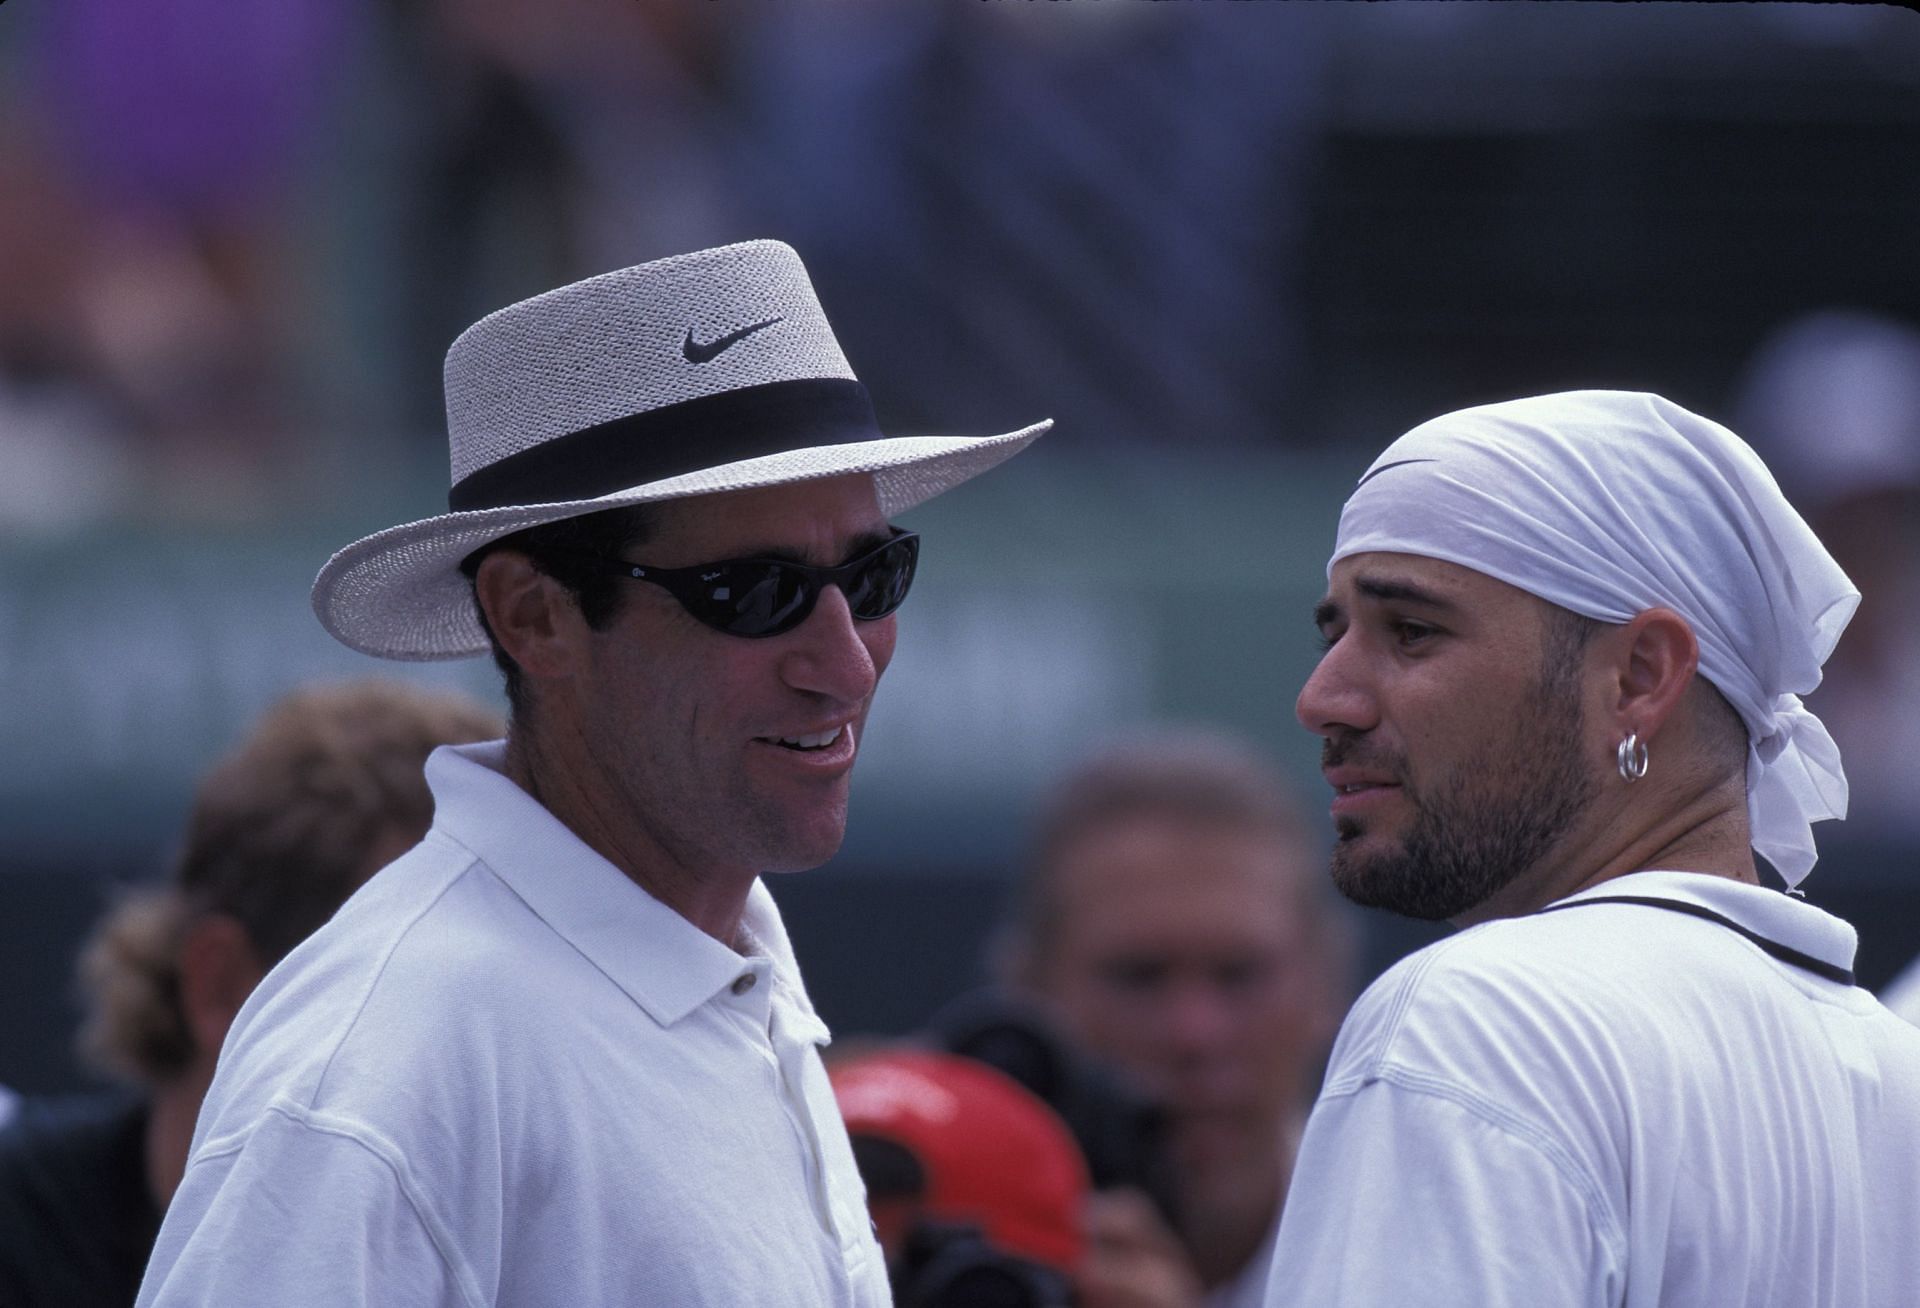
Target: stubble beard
[1481, 827]
[799, 844]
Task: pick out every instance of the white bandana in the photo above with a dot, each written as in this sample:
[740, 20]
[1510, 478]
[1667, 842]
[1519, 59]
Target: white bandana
[1612, 502]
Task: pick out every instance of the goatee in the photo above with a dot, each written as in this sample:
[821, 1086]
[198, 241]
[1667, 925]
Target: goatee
[1477, 829]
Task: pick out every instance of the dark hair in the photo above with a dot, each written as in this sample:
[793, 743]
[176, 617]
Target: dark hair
[564, 550]
[1722, 731]
[1563, 645]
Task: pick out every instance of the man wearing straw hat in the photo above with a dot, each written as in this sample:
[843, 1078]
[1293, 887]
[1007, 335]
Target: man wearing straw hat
[1566, 639]
[559, 1052]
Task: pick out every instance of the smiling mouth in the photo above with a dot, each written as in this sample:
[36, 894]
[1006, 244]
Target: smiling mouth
[806, 744]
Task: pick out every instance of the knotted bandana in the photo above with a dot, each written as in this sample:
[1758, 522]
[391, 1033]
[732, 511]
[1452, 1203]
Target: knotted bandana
[1612, 502]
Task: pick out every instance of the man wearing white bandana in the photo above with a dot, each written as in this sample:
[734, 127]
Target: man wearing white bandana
[1565, 643]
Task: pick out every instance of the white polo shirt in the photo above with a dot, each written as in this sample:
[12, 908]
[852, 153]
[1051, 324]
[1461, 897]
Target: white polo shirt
[505, 1075]
[1615, 1104]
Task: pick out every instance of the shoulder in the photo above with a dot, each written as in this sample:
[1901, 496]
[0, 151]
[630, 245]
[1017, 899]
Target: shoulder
[405, 982]
[1487, 974]
[1509, 1049]
[428, 923]
[307, 1208]
[1553, 995]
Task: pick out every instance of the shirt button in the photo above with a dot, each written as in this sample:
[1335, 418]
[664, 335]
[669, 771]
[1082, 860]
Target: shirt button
[744, 982]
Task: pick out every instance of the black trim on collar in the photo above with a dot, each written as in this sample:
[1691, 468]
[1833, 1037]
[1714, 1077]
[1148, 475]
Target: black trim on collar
[703, 432]
[1785, 953]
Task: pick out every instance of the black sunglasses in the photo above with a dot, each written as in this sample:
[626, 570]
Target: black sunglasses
[764, 597]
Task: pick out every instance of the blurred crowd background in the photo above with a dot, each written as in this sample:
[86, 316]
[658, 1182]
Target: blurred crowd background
[1233, 248]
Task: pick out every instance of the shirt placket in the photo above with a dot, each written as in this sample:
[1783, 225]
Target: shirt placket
[790, 1045]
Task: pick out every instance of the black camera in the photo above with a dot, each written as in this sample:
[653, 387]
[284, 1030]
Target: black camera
[1121, 1131]
[951, 1265]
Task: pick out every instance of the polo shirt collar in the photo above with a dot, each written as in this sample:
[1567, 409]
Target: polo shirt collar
[1781, 918]
[765, 933]
[663, 962]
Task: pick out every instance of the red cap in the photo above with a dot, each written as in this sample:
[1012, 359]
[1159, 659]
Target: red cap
[994, 1154]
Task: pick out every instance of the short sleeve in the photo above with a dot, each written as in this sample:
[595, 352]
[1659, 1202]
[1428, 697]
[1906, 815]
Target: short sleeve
[1408, 1197]
[298, 1213]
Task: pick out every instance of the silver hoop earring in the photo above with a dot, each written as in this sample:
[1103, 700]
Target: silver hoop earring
[1632, 758]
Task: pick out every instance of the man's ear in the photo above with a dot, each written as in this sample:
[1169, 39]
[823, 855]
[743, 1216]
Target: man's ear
[1657, 656]
[219, 968]
[533, 616]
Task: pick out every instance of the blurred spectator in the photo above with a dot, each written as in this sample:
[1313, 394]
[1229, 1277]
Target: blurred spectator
[558, 139]
[327, 789]
[1832, 401]
[1047, 195]
[913, 152]
[975, 1186]
[62, 465]
[1174, 920]
[152, 302]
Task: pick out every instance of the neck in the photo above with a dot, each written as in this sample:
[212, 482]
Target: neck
[1704, 830]
[1227, 1212]
[713, 899]
[171, 1115]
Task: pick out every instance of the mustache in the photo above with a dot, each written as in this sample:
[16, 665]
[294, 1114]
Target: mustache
[1341, 751]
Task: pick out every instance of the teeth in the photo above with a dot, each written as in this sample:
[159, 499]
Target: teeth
[817, 741]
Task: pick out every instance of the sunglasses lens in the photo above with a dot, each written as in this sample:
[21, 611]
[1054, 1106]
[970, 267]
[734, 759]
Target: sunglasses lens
[882, 585]
[756, 599]
[764, 597]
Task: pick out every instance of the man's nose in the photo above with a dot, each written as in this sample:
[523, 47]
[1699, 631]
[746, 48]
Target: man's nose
[1335, 698]
[1199, 1017]
[832, 653]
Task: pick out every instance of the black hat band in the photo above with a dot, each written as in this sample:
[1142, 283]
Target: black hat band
[705, 432]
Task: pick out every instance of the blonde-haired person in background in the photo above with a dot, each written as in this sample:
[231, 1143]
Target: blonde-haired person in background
[328, 787]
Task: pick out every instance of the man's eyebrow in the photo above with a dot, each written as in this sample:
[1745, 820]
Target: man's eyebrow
[1405, 592]
[1328, 611]
[866, 540]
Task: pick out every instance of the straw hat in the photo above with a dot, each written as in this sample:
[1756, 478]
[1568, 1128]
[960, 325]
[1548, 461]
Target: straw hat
[708, 372]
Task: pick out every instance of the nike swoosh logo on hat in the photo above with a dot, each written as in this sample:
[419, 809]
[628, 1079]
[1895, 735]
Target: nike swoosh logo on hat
[707, 352]
[1397, 463]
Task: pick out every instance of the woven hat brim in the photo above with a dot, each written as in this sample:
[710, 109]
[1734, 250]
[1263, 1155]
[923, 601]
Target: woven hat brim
[400, 594]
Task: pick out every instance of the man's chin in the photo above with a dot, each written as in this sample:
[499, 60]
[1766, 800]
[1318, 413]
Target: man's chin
[1375, 873]
[806, 848]
[1401, 883]
[1361, 860]
[1206, 1142]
